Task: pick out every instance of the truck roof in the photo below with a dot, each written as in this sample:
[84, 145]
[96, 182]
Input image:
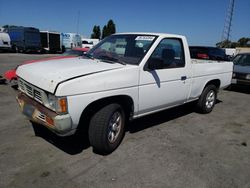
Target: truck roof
[150, 33]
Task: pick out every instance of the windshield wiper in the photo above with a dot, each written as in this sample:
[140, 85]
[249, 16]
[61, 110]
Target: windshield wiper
[88, 56]
[111, 59]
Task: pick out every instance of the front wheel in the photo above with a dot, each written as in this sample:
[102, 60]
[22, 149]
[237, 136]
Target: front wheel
[207, 99]
[106, 128]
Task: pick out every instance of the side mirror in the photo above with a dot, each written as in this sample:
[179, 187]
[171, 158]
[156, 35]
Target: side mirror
[155, 63]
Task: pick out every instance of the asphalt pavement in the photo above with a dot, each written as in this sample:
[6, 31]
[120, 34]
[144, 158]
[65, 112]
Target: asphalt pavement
[173, 148]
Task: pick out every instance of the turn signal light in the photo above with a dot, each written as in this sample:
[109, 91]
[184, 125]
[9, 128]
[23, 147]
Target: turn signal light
[49, 121]
[63, 105]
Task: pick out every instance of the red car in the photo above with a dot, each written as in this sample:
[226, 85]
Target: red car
[11, 76]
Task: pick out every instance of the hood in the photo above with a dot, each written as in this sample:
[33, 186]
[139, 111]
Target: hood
[48, 74]
[242, 69]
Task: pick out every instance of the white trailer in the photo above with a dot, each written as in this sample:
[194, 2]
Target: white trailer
[51, 41]
[71, 40]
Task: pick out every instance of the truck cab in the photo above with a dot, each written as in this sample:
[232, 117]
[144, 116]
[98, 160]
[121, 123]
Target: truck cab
[4, 41]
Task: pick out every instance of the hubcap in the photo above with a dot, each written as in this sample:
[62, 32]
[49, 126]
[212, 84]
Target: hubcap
[210, 99]
[114, 129]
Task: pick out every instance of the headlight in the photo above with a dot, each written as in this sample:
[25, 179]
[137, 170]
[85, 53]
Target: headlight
[248, 76]
[58, 104]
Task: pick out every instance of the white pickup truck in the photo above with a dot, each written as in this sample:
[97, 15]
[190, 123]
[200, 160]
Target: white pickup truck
[124, 77]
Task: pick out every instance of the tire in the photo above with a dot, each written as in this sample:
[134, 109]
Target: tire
[13, 48]
[106, 129]
[207, 99]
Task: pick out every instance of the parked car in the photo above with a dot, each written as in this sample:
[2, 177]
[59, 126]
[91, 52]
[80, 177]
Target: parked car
[209, 53]
[241, 71]
[98, 93]
[11, 76]
[89, 43]
[5, 41]
[76, 52]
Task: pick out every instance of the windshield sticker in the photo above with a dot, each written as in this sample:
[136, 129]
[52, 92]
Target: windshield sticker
[148, 38]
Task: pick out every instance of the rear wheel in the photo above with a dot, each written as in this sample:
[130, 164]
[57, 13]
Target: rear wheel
[207, 99]
[106, 128]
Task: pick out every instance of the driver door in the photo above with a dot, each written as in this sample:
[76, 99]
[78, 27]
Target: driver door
[167, 84]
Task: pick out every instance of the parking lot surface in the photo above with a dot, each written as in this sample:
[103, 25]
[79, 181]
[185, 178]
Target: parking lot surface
[173, 148]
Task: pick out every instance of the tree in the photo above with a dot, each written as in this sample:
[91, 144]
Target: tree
[243, 41]
[96, 32]
[111, 27]
[108, 29]
[104, 31]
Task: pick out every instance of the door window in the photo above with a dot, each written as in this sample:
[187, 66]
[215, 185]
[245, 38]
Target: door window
[168, 54]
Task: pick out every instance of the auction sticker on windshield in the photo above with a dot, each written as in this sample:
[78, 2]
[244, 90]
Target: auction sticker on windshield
[148, 38]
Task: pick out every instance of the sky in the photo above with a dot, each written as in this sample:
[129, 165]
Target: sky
[201, 21]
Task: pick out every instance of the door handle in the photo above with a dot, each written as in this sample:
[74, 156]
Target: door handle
[183, 78]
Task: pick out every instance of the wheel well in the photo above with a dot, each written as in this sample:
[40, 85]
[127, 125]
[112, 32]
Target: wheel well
[215, 82]
[125, 101]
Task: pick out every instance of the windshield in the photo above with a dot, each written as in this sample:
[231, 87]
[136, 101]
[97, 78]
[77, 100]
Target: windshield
[125, 49]
[242, 59]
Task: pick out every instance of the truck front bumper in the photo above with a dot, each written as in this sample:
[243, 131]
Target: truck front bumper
[36, 112]
[240, 81]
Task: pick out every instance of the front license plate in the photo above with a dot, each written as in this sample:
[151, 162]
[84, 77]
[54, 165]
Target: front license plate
[234, 81]
[28, 110]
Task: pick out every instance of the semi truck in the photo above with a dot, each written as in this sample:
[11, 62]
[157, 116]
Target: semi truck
[24, 39]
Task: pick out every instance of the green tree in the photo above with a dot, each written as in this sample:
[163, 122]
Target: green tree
[96, 32]
[108, 29]
[243, 42]
[104, 31]
[111, 27]
[224, 44]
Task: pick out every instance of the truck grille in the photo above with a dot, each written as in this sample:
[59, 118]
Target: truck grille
[30, 90]
[41, 116]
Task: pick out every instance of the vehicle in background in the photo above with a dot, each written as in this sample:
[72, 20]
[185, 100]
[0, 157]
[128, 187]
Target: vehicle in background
[50, 41]
[11, 77]
[89, 43]
[76, 52]
[70, 40]
[2, 29]
[5, 41]
[241, 72]
[209, 53]
[230, 52]
[240, 50]
[97, 94]
[24, 39]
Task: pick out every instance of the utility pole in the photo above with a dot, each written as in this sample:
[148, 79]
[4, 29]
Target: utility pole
[77, 23]
[228, 21]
